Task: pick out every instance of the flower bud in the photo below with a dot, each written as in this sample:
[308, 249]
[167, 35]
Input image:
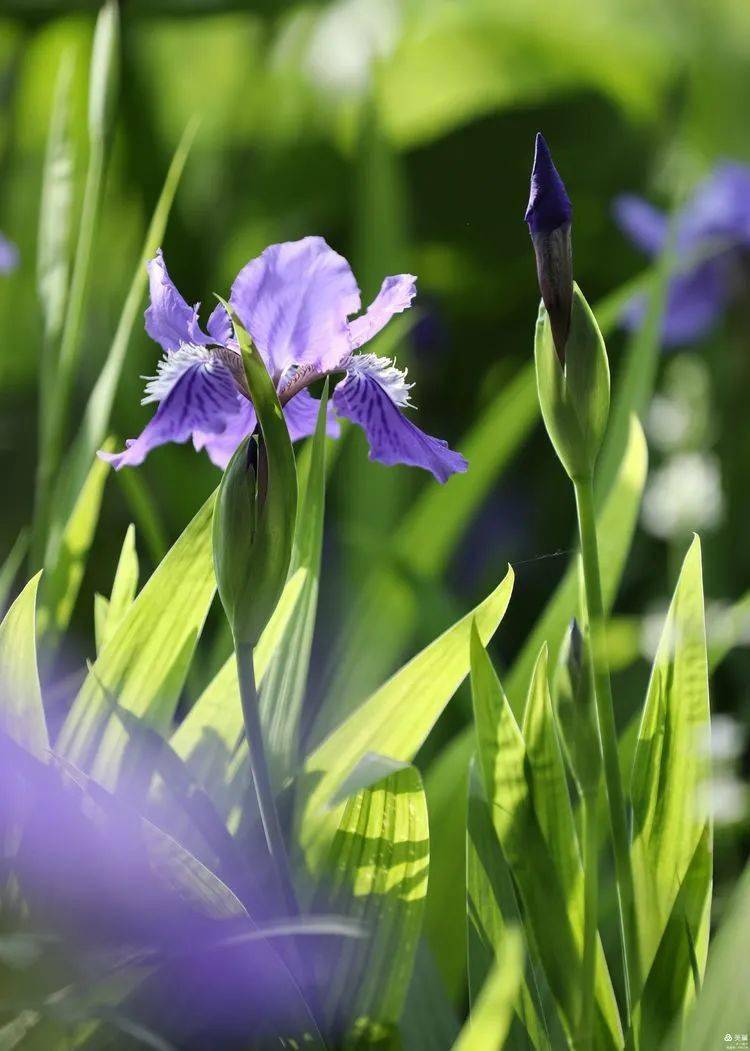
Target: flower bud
[549, 215]
[576, 710]
[234, 532]
[256, 508]
[574, 398]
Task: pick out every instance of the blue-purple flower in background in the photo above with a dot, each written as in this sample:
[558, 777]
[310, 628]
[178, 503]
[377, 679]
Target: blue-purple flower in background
[712, 229]
[8, 255]
[297, 301]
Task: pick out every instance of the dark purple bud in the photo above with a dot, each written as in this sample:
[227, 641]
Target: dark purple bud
[549, 215]
[549, 205]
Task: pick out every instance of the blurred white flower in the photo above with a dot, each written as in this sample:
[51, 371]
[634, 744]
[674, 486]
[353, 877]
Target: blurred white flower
[349, 36]
[727, 738]
[683, 495]
[728, 799]
[668, 422]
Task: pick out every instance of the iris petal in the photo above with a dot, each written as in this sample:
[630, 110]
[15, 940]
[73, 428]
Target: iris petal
[202, 400]
[169, 319]
[395, 296]
[645, 225]
[220, 446]
[392, 437]
[294, 300]
[301, 415]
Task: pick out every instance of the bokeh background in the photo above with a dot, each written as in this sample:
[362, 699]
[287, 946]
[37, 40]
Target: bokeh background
[402, 131]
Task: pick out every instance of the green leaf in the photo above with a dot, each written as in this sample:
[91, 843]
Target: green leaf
[11, 566]
[95, 421]
[104, 75]
[428, 1021]
[574, 399]
[53, 237]
[492, 1014]
[722, 1004]
[123, 592]
[523, 793]
[376, 872]
[491, 910]
[143, 666]
[677, 971]
[458, 62]
[395, 720]
[62, 579]
[283, 691]
[21, 711]
[549, 787]
[420, 552]
[208, 737]
[671, 764]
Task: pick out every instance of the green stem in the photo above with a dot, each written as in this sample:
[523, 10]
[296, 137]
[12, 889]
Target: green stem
[261, 778]
[57, 403]
[590, 837]
[584, 494]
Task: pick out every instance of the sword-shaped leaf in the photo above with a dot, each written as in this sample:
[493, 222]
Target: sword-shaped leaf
[395, 720]
[671, 765]
[523, 804]
[491, 912]
[492, 1013]
[21, 711]
[143, 666]
[108, 613]
[375, 873]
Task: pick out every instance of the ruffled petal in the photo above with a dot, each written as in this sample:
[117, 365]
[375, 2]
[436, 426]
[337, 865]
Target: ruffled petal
[301, 415]
[393, 439]
[395, 296]
[645, 225]
[221, 446]
[294, 300]
[198, 396]
[169, 319]
[219, 325]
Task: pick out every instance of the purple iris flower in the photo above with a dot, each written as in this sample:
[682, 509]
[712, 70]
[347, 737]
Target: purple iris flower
[713, 229]
[296, 300]
[8, 255]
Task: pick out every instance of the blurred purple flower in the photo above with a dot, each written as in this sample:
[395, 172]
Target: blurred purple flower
[107, 892]
[713, 227]
[295, 300]
[8, 255]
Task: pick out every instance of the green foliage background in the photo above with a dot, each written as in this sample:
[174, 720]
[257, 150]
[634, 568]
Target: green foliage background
[402, 131]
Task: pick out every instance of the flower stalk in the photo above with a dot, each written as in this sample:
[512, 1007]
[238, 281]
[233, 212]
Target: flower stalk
[590, 839]
[269, 814]
[584, 495]
[573, 385]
